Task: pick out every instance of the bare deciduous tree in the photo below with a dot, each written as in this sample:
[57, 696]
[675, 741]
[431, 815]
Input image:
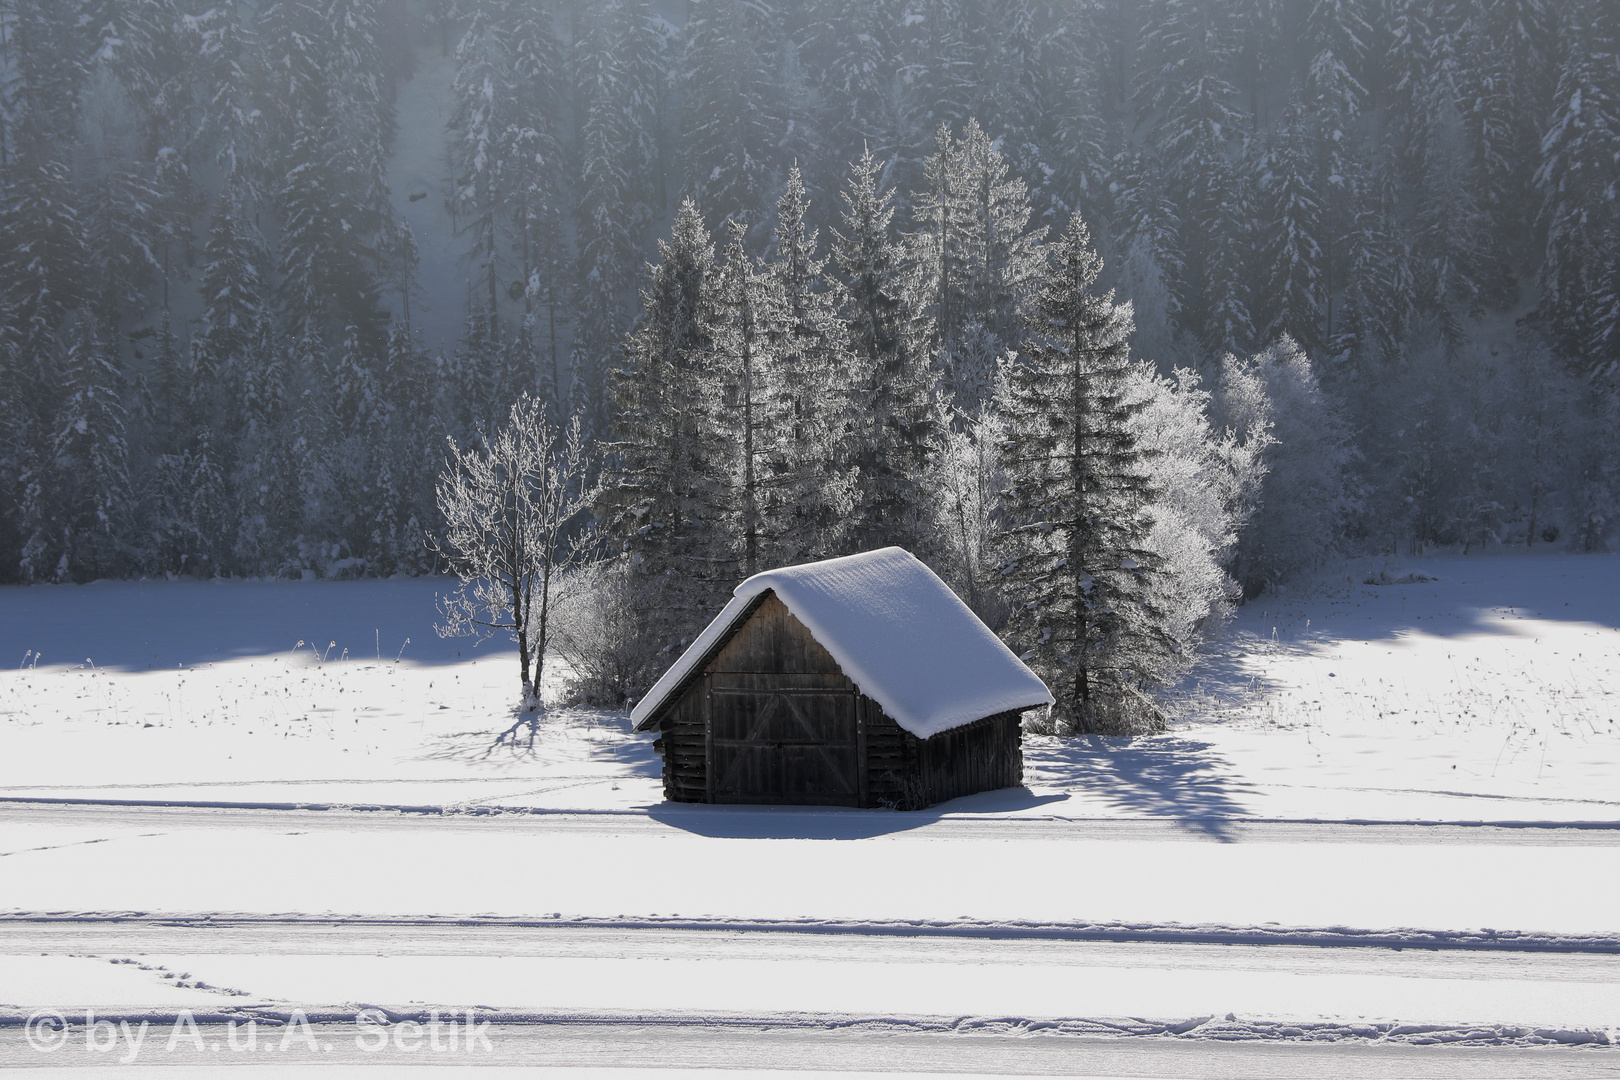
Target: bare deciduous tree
[511, 503]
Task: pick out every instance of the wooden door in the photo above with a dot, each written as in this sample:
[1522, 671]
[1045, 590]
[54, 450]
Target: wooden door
[783, 743]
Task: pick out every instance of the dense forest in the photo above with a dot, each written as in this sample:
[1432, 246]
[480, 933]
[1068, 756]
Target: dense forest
[1370, 250]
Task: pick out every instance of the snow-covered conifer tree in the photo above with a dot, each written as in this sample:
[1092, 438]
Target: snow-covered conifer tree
[1379, 294]
[478, 186]
[1291, 293]
[939, 60]
[900, 424]
[414, 442]
[76, 508]
[235, 297]
[609, 218]
[328, 121]
[1075, 564]
[968, 478]
[1510, 75]
[850, 43]
[267, 507]
[670, 504]
[974, 262]
[363, 490]
[742, 317]
[230, 122]
[734, 103]
[812, 390]
[1579, 207]
[44, 253]
[536, 199]
[1184, 90]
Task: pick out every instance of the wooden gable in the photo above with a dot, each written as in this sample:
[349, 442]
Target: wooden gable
[773, 640]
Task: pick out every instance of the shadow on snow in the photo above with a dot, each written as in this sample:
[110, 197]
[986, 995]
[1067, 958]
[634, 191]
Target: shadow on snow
[148, 625]
[741, 822]
[1169, 777]
[582, 734]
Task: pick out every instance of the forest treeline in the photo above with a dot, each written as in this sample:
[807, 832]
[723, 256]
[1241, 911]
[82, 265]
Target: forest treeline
[1375, 238]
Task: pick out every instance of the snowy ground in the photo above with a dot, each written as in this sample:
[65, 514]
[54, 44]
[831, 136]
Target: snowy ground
[297, 692]
[1387, 815]
[1486, 694]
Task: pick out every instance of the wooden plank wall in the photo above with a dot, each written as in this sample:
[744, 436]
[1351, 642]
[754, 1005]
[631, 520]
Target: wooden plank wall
[901, 770]
[770, 642]
[981, 756]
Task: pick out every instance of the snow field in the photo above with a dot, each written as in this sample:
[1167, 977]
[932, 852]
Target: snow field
[428, 1071]
[1487, 694]
[291, 730]
[1313, 721]
[422, 868]
[279, 692]
[784, 985]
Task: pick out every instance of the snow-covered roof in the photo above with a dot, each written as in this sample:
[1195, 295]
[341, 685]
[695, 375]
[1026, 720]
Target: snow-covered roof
[899, 633]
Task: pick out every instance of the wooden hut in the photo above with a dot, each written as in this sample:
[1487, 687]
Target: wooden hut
[861, 681]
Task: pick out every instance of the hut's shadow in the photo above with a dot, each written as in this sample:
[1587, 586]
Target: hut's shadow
[833, 822]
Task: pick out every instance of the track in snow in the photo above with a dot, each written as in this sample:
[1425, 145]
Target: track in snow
[801, 824]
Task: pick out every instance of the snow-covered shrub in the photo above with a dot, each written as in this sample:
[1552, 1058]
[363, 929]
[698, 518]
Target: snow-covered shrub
[1204, 487]
[967, 480]
[1275, 408]
[599, 635]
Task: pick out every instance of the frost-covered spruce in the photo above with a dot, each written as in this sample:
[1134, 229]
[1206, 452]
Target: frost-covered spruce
[1581, 273]
[413, 440]
[972, 262]
[743, 314]
[938, 47]
[235, 310]
[1292, 251]
[669, 502]
[813, 391]
[1184, 91]
[900, 427]
[730, 77]
[535, 195]
[1075, 564]
[362, 477]
[268, 508]
[850, 42]
[77, 501]
[1511, 72]
[328, 121]
[476, 150]
[45, 270]
[606, 215]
